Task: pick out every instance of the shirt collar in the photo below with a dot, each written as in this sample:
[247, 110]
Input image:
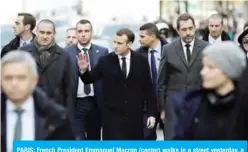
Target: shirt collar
[157, 47]
[80, 47]
[27, 106]
[27, 41]
[128, 56]
[191, 43]
[211, 39]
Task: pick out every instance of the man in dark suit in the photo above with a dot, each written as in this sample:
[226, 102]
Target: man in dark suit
[179, 68]
[87, 99]
[151, 47]
[215, 32]
[127, 85]
[23, 29]
[54, 66]
[26, 112]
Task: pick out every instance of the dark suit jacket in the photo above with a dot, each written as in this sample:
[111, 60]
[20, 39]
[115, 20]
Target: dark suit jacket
[95, 53]
[175, 74]
[123, 97]
[56, 78]
[51, 120]
[12, 45]
[144, 50]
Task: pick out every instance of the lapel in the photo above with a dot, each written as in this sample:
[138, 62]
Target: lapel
[116, 66]
[53, 57]
[132, 60]
[35, 55]
[195, 52]
[180, 52]
[92, 55]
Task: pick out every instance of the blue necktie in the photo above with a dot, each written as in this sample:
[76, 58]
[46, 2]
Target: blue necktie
[154, 71]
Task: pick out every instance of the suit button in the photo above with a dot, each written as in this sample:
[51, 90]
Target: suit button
[125, 101]
[196, 120]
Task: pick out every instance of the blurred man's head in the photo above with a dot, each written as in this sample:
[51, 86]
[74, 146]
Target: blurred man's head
[220, 70]
[149, 34]
[163, 29]
[186, 27]
[215, 25]
[45, 33]
[24, 22]
[19, 75]
[71, 36]
[123, 41]
[84, 32]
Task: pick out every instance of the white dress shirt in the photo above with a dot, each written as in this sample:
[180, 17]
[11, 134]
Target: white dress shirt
[157, 55]
[128, 60]
[190, 48]
[23, 41]
[80, 93]
[211, 40]
[28, 122]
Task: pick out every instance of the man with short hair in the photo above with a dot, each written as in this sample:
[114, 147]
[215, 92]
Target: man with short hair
[179, 68]
[26, 111]
[88, 97]
[71, 37]
[54, 66]
[151, 47]
[23, 26]
[215, 31]
[127, 85]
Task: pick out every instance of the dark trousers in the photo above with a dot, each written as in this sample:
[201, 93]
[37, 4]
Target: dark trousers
[88, 118]
[150, 134]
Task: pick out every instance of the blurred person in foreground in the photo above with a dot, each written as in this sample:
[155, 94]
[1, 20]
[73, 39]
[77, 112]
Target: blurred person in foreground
[215, 32]
[23, 26]
[26, 111]
[151, 47]
[211, 112]
[71, 37]
[127, 85]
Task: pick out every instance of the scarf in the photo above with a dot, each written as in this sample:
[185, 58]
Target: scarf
[44, 51]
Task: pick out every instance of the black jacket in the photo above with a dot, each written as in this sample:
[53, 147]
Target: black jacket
[12, 45]
[51, 120]
[224, 36]
[123, 97]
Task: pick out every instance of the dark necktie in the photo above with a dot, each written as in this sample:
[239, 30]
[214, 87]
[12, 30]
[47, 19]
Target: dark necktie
[188, 52]
[87, 88]
[18, 125]
[154, 71]
[124, 66]
[25, 43]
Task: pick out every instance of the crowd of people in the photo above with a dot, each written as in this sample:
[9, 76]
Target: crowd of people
[196, 87]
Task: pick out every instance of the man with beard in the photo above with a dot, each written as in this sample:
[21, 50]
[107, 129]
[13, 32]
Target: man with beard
[54, 66]
[23, 27]
[179, 68]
